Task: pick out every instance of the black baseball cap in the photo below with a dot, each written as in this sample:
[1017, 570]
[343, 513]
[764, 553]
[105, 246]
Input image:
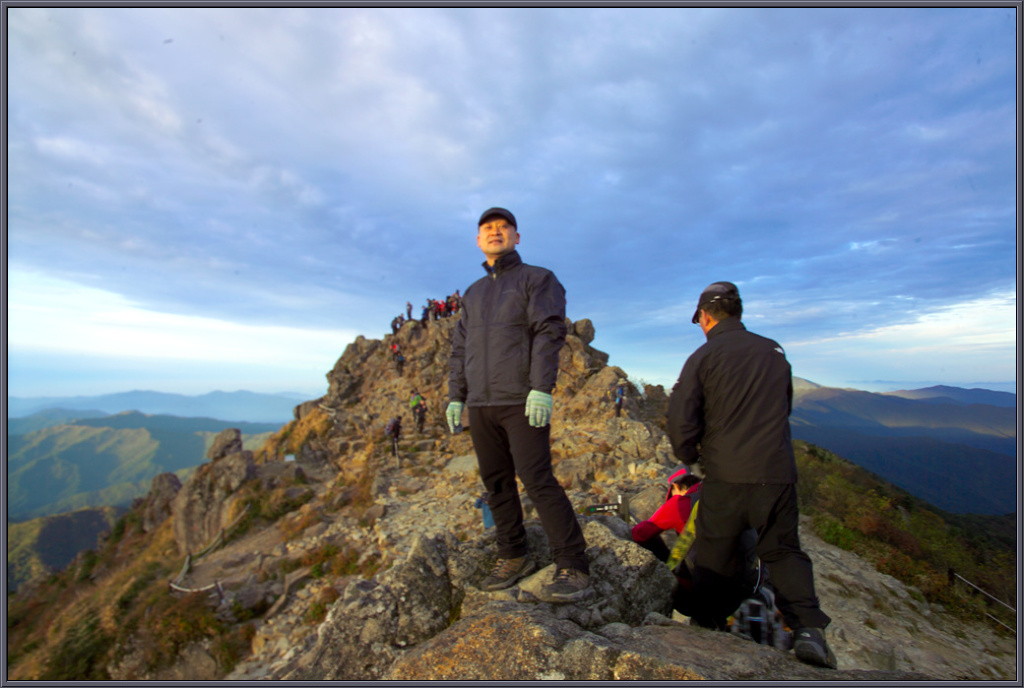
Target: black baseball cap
[498, 212]
[713, 292]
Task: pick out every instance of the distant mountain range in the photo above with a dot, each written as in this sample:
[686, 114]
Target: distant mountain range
[955, 448]
[942, 394]
[231, 406]
[56, 462]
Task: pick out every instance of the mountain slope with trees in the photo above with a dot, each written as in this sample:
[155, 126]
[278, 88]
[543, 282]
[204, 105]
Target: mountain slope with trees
[960, 457]
[105, 461]
[39, 548]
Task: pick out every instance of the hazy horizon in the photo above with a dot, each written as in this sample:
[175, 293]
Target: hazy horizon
[877, 386]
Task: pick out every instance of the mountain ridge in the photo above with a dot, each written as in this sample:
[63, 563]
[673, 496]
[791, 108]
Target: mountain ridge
[960, 395]
[240, 405]
[920, 444]
[105, 461]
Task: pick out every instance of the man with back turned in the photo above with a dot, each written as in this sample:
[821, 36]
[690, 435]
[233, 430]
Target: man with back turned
[729, 415]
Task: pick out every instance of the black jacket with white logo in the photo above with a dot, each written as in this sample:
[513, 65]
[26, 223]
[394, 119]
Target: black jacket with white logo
[508, 336]
[733, 398]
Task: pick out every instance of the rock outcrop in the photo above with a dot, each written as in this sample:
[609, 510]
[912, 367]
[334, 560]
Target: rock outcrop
[412, 519]
[160, 501]
[204, 506]
[226, 442]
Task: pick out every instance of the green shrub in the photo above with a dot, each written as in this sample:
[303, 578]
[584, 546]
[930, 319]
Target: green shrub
[229, 648]
[81, 654]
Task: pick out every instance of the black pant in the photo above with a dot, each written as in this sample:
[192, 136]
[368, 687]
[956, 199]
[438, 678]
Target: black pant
[506, 446]
[656, 546]
[726, 510]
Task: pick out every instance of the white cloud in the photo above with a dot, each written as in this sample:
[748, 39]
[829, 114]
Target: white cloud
[958, 343]
[55, 316]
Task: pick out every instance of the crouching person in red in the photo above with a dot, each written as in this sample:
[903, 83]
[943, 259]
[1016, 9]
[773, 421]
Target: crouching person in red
[676, 514]
[683, 493]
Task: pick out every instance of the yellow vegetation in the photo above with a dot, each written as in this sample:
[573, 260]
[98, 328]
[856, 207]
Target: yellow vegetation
[315, 425]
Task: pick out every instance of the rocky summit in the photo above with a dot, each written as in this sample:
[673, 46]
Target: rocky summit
[350, 563]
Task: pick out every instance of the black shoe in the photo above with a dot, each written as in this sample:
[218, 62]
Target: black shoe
[810, 647]
[507, 572]
[568, 585]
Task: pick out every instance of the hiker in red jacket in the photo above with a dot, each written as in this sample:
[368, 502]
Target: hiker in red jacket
[683, 492]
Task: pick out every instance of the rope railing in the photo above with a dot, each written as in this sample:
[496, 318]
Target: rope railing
[1011, 630]
[985, 593]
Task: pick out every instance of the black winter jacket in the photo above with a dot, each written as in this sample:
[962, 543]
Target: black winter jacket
[733, 397]
[508, 337]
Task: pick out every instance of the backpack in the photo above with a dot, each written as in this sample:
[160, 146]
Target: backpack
[390, 429]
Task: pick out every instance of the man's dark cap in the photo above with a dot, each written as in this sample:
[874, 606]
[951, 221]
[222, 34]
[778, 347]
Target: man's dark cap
[714, 292]
[498, 212]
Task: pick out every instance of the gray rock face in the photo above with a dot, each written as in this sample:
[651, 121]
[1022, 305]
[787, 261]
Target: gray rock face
[203, 506]
[160, 501]
[431, 596]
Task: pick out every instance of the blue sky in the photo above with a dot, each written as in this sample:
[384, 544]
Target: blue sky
[223, 198]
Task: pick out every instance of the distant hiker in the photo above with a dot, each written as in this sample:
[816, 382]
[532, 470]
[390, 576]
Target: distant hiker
[729, 414]
[415, 399]
[504, 365]
[483, 503]
[418, 406]
[620, 396]
[394, 430]
[425, 317]
[394, 325]
[408, 310]
[399, 363]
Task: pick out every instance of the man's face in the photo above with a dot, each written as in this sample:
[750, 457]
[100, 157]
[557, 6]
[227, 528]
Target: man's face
[496, 237]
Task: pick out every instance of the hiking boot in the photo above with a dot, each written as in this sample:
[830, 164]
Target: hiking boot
[568, 585]
[507, 572]
[810, 648]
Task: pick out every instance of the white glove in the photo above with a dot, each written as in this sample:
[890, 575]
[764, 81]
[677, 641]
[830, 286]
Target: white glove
[538, 408]
[453, 414]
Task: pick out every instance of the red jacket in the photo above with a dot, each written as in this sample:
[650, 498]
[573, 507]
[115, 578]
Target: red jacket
[672, 515]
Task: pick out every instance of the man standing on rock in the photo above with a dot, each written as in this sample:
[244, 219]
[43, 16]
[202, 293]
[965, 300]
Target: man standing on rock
[504, 365]
[729, 411]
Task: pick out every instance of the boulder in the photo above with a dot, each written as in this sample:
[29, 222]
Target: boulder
[584, 329]
[227, 442]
